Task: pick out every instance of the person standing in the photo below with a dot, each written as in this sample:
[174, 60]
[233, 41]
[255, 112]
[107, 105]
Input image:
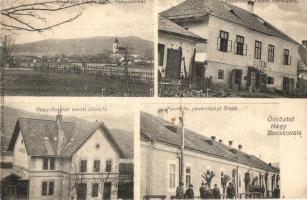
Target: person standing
[216, 194]
[202, 190]
[189, 194]
[180, 191]
[230, 191]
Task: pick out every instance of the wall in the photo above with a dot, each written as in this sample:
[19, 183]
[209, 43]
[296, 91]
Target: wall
[21, 158]
[90, 152]
[155, 175]
[174, 42]
[211, 31]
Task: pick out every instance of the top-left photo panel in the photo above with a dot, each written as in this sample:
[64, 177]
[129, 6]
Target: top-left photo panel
[89, 48]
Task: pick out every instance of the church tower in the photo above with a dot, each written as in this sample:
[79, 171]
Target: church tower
[115, 46]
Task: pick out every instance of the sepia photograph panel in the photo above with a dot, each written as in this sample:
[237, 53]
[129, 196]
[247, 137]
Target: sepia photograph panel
[77, 48]
[216, 48]
[203, 151]
[63, 150]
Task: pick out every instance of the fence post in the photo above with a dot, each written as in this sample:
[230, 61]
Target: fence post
[102, 91]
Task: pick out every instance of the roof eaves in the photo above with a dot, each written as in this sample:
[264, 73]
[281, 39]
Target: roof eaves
[197, 39]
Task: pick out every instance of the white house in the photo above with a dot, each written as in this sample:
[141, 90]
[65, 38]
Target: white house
[243, 51]
[160, 161]
[54, 159]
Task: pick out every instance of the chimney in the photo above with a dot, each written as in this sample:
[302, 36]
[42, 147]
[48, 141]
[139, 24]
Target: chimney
[221, 141]
[213, 138]
[60, 131]
[239, 146]
[230, 143]
[304, 43]
[250, 5]
[161, 113]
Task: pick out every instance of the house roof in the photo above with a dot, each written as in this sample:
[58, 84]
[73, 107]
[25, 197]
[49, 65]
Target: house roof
[155, 129]
[196, 9]
[169, 27]
[40, 137]
[159, 130]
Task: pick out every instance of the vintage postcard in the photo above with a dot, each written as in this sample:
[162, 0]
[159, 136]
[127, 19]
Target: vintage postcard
[232, 48]
[153, 99]
[78, 48]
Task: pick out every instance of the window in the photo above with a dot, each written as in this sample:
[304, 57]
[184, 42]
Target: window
[48, 163]
[83, 165]
[161, 48]
[44, 188]
[51, 188]
[270, 80]
[223, 41]
[287, 59]
[45, 163]
[240, 45]
[47, 188]
[271, 53]
[188, 176]
[96, 166]
[95, 189]
[221, 74]
[52, 163]
[258, 47]
[239, 177]
[108, 165]
[172, 175]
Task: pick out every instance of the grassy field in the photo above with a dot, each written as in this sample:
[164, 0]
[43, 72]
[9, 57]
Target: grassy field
[32, 83]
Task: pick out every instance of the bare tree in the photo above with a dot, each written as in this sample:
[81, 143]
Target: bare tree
[34, 15]
[6, 48]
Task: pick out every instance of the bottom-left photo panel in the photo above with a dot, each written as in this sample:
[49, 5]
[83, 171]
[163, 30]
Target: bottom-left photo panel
[58, 148]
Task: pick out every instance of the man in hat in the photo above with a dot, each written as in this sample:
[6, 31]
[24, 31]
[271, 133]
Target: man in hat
[231, 192]
[216, 194]
[189, 193]
[180, 191]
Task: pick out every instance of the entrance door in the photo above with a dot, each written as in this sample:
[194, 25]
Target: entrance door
[262, 82]
[173, 64]
[11, 192]
[107, 190]
[236, 78]
[81, 191]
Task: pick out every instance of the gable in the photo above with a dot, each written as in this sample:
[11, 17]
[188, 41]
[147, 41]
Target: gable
[98, 145]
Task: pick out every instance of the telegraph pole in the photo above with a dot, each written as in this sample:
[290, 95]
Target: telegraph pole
[181, 118]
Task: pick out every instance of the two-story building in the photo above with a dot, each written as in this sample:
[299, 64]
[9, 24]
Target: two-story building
[160, 162]
[243, 51]
[54, 159]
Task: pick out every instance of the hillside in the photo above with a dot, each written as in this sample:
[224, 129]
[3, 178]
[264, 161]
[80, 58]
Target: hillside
[84, 46]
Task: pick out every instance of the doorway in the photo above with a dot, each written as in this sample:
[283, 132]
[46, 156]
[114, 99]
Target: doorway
[107, 187]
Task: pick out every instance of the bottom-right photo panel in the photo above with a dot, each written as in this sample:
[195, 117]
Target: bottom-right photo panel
[212, 151]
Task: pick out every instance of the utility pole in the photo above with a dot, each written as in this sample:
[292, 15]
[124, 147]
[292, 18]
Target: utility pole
[181, 119]
[126, 71]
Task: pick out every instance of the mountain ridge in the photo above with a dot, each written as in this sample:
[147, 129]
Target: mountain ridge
[84, 46]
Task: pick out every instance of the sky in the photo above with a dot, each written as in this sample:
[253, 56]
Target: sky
[247, 126]
[115, 19]
[291, 18]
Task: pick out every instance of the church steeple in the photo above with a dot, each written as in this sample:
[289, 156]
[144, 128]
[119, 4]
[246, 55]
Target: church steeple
[115, 46]
[60, 131]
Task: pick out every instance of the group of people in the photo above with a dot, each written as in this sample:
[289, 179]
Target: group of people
[205, 192]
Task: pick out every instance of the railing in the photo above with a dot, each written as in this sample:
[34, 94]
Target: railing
[249, 195]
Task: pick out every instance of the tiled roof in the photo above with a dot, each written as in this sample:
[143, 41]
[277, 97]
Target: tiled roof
[190, 9]
[155, 129]
[39, 137]
[167, 26]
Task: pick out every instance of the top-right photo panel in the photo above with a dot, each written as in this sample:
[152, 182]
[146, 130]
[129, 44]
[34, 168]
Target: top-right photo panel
[235, 48]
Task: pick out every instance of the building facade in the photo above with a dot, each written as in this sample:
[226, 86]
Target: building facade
[160, 164]
[243, 51]
[64, 160]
